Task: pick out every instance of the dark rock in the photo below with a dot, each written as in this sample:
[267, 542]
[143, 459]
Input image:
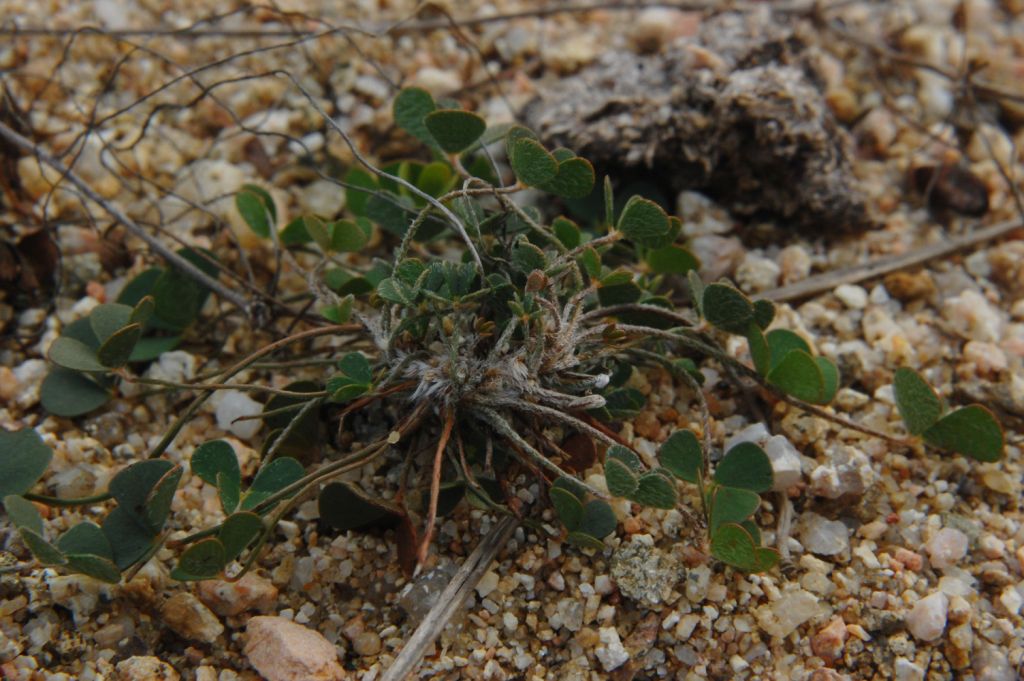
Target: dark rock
[737, 112]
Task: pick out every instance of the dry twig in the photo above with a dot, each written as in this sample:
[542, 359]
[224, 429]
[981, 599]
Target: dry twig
[451, 600]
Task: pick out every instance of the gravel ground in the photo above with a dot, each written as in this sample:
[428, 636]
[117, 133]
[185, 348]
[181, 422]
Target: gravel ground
[898, 564]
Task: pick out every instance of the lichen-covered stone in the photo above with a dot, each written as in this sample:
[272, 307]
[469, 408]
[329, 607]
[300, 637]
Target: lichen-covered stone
[643, 572]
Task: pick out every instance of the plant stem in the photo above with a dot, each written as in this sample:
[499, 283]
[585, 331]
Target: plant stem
[198, 401]
[68, 503]
[248, 387]
[435, 489]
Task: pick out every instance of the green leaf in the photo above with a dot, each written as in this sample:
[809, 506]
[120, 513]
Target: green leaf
[590, 259]
[696, 290]
[344, 507]
[672, 260]
[75, 355]
[571, 485]
[24, 457]
[396, 291]
[619, 294]
[69, 393]
[117, 349]
[759, 350]
[179, 298]
[108, 319]
[621, 480]
[764, 313]
[780, 342]
[436, 178]
[86, 538]
[732, 544]
[800, 376]
[531, 162]
[655, 490]
[643, 221]
[393, 213]
[598, 519]
[567, 231]
[257, 209]
[343, 389]
[517, 132]
[203, 560]
[148, 349]
[972, 431]
[357, 367]
[343, 283]
[410, 108]
[93, 566]
[681, 455]
[917, 402]
[455, 130]
[317, 230]
[626, 456]
[23, 514]
[132, 485]
[136, 289]
[745, 466]
[346, 236]
[585, 541]
[295, 233]
[238, 531]
[567, 506]
[216, 463]
[575, 179]
[609, 202]
[360, 186]
[727, 308]
[45, 552]
[624, 402]
[158, 501]
[272, 478]
[526, 257]
[143, 310]
[563, 154]
[128, 536]
[830, 374]
[340, 313]
[755, 532]
[732, 505]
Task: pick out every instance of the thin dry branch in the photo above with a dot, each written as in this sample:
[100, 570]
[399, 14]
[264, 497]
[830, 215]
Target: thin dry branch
[451, 600]
[882, 266]
[401, 27]
[170, 256]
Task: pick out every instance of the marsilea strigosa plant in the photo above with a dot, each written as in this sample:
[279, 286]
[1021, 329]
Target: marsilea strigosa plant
[493, 339]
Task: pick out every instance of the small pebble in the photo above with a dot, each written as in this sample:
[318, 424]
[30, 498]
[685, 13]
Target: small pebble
[234, 404]
[282, 650]
[189, 618]
[853, 297]
[823, 536]
[251, 592]
[145, 668]
[927, 619]
[947, 547]
[366, 643]
[611, 653]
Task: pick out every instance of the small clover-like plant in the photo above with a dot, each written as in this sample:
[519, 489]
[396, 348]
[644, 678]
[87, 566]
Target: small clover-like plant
[972, 430]
[479, 326]
[150, 317]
